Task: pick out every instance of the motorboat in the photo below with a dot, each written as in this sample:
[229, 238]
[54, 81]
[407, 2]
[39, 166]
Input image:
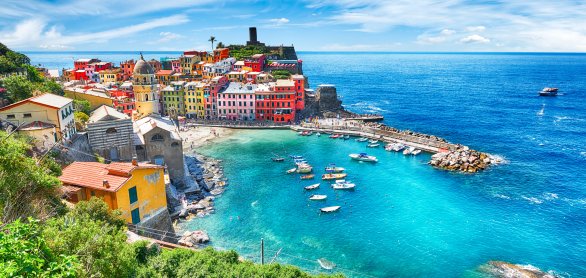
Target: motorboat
[343, 185]
[363, 157]
[311, 187]
[300, 133]
[309, 133]
[373, 141]
[334, 136]
[277, 159]
[416, 152]
[317, 197]
[308, 177]
[333, 169]
[325, 264]
[346, 137]
[318, 134]
[362, 139]
[336, 176]
[330, 209]
[398, 147]
[296, 156]
[549, 92]
[304, 169]
[408, 151]
[371, 145]
[291, 170]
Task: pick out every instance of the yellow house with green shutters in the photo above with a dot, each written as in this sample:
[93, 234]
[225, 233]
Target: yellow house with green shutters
[190, 100]
[201, 88]
[136, 189]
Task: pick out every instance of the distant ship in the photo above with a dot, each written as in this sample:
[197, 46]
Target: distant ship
[549, 92]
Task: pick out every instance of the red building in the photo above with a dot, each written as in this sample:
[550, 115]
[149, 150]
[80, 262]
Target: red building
[299, 81]
[221, 54]
[100, 66]
[127, 68]
[276, 103]
[80, 75]
[81, 64]
[256, 62]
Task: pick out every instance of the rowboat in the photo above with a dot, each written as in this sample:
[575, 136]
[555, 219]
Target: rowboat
[316, 197]
[362, 139]
[330, 209]
[311, 187]
[291, 170]
[325, 264]
[333, 176]
[343, 185]
[371, 145]
[363, 157]
[307, 177]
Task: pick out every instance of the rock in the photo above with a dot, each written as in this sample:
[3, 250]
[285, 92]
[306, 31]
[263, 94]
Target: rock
[506, 270]
[183, 213]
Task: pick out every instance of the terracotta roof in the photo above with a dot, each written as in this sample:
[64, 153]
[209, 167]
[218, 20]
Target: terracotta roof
[164, 72]
[93, 174]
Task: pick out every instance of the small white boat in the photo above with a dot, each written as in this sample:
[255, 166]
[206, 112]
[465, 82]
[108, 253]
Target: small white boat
[304, 169]
[362, 139]
[373, 145]
[398, 147]
[363, 157]
[373, 141]
[291, 170]
[296, 156]
[311, 187]
[416, 152]
[330, 209]
[549, 92]
[317, 197]
[343, 185]
[333, 169]
[300, 133]
[408, 151]
[346, 137]
[325, 264]
[318, 134]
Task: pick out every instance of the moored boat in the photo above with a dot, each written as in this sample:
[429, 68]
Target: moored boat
[373, 141]
[549, 92]
[334, 136]
[317, 197]
[307, 177]
[343, 185]
[318, 134]
[330, 209]
[363, 157]
[291, 170]
[398, 147]
[416, 152]
[296, 156]
[371, 145]
[311, 187]
[362, 139]
[333, 169]
[333, 176]
[346, 137]
[408, 151]
[304, 169]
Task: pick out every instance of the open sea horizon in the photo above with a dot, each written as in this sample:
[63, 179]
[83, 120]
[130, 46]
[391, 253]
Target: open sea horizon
[405, 218]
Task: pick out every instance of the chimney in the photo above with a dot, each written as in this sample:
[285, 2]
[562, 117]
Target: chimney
[134, 162]
[105, 184]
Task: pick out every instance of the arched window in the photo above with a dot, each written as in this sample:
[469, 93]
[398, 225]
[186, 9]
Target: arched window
[111, 130]
[157, 138]
[174, 144]
[147, 97]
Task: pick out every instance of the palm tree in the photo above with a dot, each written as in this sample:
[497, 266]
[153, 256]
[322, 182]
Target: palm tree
[212, 39]
[220, 45]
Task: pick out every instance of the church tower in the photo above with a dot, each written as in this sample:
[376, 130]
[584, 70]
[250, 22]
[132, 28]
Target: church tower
[145, 89]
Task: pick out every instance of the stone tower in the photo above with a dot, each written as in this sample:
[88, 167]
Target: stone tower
[145, 89]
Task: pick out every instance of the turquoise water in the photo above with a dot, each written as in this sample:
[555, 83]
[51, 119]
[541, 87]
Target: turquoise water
[406, 219]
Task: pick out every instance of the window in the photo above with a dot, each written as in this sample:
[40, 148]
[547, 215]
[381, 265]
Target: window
[135, 213]
[157, 138]
[10, 116]
[27, 115]
[111, 130]
[132, 195]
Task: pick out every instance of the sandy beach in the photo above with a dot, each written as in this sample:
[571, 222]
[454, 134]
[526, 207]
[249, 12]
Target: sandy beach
[194, 137]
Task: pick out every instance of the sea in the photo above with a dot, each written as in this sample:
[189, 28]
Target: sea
[405, 218]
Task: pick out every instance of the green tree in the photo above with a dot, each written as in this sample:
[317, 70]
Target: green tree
[18, 88]
[50, 86]
[28, 186]
[96, 237]
[212, 40]
[220, 45]
[18, 58]
[24, 253]
[33, 74]
[82, 105]
[80, 119]
[6, 65]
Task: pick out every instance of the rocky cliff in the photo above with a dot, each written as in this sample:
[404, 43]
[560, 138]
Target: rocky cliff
[324, 103]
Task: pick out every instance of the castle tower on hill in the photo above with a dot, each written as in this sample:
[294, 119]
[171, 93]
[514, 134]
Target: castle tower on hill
[145, 89]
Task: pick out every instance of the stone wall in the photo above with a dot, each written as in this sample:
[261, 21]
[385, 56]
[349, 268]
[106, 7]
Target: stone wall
[158, 226]
[169, 149]
[76, 149]
[112, 139]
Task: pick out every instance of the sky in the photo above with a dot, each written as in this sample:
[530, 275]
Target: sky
[310, 25]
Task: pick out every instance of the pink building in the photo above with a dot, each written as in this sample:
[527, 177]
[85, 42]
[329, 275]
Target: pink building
[211, 97]
[236, 102]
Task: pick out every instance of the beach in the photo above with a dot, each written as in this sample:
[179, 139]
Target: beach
[197, 136]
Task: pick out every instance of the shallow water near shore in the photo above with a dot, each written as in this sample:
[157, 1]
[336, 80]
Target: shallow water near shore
[406, 219]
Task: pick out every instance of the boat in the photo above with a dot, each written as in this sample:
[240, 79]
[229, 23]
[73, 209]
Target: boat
[363, 157]
[296, 156]
[325, 264]
[330, 209]
[334, 136]
[371, 145]
[317, 197]
[291, 170]
[416, 152]
[362, 139]
[277, 159]
[398, 147]
[307, 177]
[311, 187]
[309, 133]
[304, 169]
[408, 151]
[343, 185]
[346, 137]
[336, 176]
[549, 92]
[373, 141]
[333, 169]
[300, 133]
[318, 134]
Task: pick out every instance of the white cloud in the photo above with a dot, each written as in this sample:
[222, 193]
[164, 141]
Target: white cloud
[443, 36]
[447, 32]
[474, 39]
[31, 33]
[476, 28]
[168, 36]
[279, 21]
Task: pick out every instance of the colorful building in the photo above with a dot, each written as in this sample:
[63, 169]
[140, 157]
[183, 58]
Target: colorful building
[110, 76]
[81, 64]
[211, 97]
[136, 189]
[237, 102]
[145, 89]
[276, 102]
[221, 54]
[127, 69]
[95, 97]
[256, 62]
[45, 111]
[193, 109]
[299, 81]
[174, 99]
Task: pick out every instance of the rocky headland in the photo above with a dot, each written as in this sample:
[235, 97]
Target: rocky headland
[464, 159]
[508, 270]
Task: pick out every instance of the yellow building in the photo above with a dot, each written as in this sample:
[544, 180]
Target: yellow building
[136, 189]
[190, 100]
[95, 97]
[201, 89]
[46, 117]
[110, 76]
[145, 89]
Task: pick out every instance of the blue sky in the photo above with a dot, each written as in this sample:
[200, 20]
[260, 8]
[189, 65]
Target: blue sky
[317, 25]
